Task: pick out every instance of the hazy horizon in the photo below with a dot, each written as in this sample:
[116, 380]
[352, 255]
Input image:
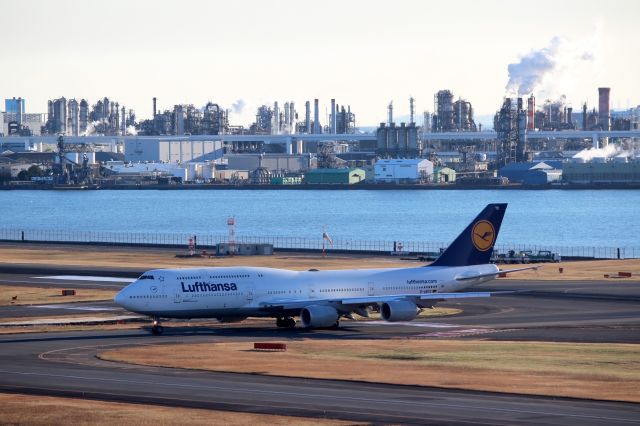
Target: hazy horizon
[363, 54]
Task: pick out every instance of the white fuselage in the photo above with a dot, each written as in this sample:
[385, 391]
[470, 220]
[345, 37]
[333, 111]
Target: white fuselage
[237, 292]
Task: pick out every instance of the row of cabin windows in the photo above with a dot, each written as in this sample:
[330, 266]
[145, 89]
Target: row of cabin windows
[406, 287]
[230, 276]
[333, 290]
[210, 276]
[149, 296]
[238, 293]
[283, 291]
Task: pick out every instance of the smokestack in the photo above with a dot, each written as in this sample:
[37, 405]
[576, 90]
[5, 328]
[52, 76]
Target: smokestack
[307, 117]
[531, 113]
[570, 115]
[411, 109]
[287, 118]
[155, 100]
[604, 119]
[276, 119]
[390, 117]
[316, 117]
[123, 121]
[333, 116]
[292, 118]
[584, 116]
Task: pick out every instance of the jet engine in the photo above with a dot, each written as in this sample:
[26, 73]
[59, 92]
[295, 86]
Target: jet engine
[318, 316]
[399, 310]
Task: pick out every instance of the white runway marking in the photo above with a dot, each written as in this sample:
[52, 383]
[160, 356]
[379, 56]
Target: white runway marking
[76, 307]
[411, 324]
[87, 278]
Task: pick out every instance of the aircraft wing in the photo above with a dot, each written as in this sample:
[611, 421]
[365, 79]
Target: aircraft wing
[502, 271]
[367, 300]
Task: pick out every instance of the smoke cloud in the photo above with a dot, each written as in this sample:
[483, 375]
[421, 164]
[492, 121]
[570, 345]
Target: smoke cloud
[526, 75]
[131, 130]
[238, 106]
[548, 71]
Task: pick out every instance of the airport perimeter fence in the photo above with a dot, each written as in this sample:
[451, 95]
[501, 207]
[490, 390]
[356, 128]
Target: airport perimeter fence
[210, 241]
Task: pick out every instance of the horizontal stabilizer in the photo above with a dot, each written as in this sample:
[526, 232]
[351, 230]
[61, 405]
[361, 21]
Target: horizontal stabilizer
[494, 274]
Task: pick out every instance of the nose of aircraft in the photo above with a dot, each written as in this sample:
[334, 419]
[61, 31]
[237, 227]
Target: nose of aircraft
[119, 298]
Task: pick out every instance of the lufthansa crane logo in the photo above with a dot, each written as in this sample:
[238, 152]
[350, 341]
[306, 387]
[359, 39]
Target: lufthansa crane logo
[483, 235]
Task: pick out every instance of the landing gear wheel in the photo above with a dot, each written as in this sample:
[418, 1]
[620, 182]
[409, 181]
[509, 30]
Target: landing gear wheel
[285, 322]
[157, 328]
[336, 325]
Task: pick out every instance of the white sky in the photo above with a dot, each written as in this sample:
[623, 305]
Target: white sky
[363, 53]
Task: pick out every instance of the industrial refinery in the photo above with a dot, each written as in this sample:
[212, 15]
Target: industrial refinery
[533, 142]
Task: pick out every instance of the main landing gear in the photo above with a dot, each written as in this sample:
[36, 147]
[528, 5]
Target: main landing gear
[157, 328]
[286, 322]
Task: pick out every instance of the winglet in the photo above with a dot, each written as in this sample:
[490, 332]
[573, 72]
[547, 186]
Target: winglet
[475, 244]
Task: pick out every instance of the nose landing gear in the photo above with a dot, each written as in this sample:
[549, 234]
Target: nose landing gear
[286, 322]
[157, 328]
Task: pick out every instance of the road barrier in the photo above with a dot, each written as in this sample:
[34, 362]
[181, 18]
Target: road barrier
[265, 346]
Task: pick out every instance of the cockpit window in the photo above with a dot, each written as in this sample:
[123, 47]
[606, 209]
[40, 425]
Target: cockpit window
[146, 277]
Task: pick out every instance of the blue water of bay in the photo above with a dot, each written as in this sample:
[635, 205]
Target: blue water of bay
[602, 218]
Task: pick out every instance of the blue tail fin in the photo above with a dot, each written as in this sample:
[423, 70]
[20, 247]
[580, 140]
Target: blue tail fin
[475, 244]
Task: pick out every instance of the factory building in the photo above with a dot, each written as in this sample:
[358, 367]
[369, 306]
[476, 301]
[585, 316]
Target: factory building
[285, 163]
[335, 176]
[397, 141]
[443, 175]
[510, 123]
[15, 106]
[553, 115]
[532, 173]
[165, 151]
[403, 170]
[73, 118]
[452, 116]
[600, 170]
[30, 125]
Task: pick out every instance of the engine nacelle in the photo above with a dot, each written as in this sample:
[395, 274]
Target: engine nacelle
[399, 310]
[318, 316]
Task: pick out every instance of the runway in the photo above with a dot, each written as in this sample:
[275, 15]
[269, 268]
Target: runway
[64, 363]
[67, 367]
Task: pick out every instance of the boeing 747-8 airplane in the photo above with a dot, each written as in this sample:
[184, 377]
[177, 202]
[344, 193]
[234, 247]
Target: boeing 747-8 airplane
[319, 298]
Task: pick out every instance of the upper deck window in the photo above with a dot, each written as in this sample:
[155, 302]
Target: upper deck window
[146, 277]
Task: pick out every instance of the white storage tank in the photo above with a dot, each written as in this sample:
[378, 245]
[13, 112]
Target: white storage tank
[181, 172]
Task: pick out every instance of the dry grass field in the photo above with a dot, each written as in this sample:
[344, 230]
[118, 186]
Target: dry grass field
[147, 258]
[16, 409]
[23, 295]
[598, 371]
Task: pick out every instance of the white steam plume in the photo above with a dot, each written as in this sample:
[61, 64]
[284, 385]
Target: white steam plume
[551, 71]
[526, 75]
[238, 106]
[606, 152]
[131, 131]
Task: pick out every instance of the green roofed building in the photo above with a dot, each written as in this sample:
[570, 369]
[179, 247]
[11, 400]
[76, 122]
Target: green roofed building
[334, 176]
[444, 175]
